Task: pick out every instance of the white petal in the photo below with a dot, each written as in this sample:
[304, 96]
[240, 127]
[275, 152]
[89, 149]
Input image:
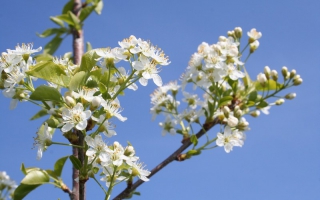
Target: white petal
[81, 125]
[67, 127]
[143, 81]
[157, 79]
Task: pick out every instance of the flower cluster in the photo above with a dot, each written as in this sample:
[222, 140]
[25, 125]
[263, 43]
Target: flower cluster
[7, 186]
[13, 67]
[116, 162]
[229, 93]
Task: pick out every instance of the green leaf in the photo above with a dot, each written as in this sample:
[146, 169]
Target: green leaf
[23, 190]
[39, 114]
[88, 46]
[75, 162]
[52, 174]
[225, 100]
[270, 85]
[253, 96]
[46, 93]
[88, 61]
[85, 12]
[57, 21]
[193, 152]
[53, 122]
[23, 169]
[68, 55]
[53, 45]
[194, 140]
[102, 87]
[68, 7]
[36, 177]
[66, 18]
[43, 57]
[58, 166]
[99, 7]
[262, 104]
[51, 72]
[77, 81]
[52, 31]
[75, 20]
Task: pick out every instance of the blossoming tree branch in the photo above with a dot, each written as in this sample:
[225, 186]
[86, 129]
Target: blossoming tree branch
[81, 100]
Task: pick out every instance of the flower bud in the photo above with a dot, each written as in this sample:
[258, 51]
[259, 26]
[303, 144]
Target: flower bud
[96, 101]
[129, 151]
[293, 73]
[238, 32]
[254, 45]
[262, 79]
[290, 96]
[243, 125]
[238, 113]
[70, 101]
[232, 121]
[226, 111]
[255, 113]
[231, 34]
[297, 81]
[267, 72]
[284, 72]
[279, 102]
[274, 75]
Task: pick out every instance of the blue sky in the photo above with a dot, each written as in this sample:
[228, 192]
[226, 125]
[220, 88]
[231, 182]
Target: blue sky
[280, 158]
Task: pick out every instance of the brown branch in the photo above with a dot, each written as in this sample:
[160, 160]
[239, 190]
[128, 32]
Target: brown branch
[174, 156]
[78, 187]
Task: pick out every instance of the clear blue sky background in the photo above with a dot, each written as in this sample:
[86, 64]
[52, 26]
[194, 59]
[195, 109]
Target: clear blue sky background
[281, 156]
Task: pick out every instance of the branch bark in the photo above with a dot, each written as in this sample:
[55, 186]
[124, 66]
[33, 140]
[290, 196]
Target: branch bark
[78, 187]
[174, 156]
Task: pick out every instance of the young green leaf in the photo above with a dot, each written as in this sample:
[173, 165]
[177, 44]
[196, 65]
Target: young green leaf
[99, 7]
[75, 162]
[68, 7]
[194, 140]
[51, 31]
[51, 72]
[58, 166]
[23, 190]
[53, 45]
[35, 177]
[77, 81]
[57, 21]
[85, 12]
[88, 46]
[46, 93]
[88, 61]
[75, 20]
[39, 114]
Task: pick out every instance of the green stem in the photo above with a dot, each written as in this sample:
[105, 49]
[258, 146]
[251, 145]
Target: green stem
[100, 185]
[111, 184]
[64, 144]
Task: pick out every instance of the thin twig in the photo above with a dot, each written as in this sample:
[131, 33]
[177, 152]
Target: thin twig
[174, 156]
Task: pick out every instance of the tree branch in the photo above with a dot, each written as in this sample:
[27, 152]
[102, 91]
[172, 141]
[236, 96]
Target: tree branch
[174, 156]
[78, 187]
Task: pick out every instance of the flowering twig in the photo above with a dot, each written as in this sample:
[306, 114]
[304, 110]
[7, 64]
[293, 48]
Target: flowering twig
[174, 156]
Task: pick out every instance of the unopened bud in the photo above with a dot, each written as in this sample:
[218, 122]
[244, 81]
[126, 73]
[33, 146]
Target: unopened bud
[279, 102]
[232, 121]
[255, 113]
[129, 151]
[274, 75]
[238, 113]
[243, 125]
[284, 72]
[96, 101]
[293, 73]
[290, 96]
[262, 79]
[267, 72]
[231, 34]
[226, 111]
[236, 108]
[238, 32]
[70, 101]
[254, 46]
[297, 81]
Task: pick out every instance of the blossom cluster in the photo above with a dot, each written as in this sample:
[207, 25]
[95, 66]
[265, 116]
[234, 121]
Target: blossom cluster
[13, 65]
[116, 162]
[7, 186]
[229, 93]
